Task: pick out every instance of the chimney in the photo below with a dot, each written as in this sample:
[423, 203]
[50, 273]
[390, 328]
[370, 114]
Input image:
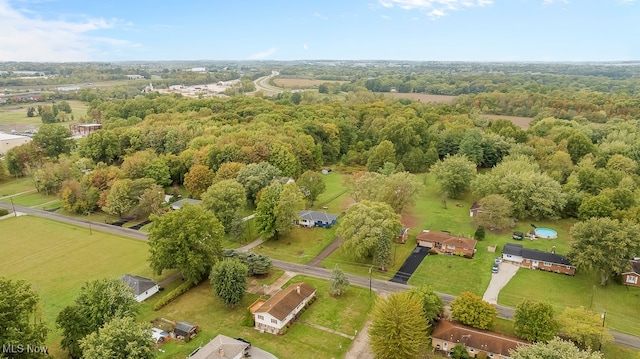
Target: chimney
[298, 290]
[221, 352]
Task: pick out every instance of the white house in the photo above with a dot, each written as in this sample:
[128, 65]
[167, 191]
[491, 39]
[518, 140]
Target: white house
[8, 141]
[316, 219]
[222, 347]
[279, 310]
[142, 287]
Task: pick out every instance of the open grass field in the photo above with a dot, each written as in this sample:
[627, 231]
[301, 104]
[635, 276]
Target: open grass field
[299, 246]
[14, 117]
[57, 259]
[33, 199]
[297, 83]
[11, 186]
[199, 306]
[522, 122]
[421, 97]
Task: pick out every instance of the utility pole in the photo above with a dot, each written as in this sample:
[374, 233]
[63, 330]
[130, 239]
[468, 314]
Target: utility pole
[370, 269]
[14, 207]
[603, 316]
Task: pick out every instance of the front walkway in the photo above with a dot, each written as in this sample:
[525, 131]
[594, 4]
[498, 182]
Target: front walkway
[498, 281]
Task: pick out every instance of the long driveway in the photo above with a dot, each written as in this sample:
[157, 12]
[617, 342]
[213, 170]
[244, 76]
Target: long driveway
[381, 286]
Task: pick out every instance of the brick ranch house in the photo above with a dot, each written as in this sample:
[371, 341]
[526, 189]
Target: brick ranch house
[277, 312]
[444, 242]
[536, 259]
[495, 346]
[631, 277]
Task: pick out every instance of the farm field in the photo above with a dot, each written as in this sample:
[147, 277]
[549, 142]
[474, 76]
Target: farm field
[300, 82]
[57, 259]
[522, 122]
[421, 97]
[199, 306]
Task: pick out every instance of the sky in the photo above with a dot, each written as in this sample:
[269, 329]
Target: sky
[412, 30]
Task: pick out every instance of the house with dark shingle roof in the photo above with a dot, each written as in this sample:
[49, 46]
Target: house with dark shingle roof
[283, 307]
[537, 259]
[142, 287]
[316, 219]
[631, 277]
[493, 345]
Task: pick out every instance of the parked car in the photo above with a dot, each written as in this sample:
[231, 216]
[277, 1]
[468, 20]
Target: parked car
[498, 260]
[495, 268]
[517, 236]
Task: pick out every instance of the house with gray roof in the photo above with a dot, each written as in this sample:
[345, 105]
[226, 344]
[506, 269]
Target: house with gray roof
[142, 287]
[537, 259]
[222, 347]
[316, 219]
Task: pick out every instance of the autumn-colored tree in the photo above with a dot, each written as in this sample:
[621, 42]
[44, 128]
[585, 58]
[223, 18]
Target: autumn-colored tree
[198, 179]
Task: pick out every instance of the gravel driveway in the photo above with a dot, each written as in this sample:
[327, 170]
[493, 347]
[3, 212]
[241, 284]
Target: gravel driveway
[498, 281]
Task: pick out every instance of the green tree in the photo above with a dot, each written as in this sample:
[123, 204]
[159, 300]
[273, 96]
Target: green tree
[226, 199]
[101, 146]
[188, 240]
[198, 179]
[54, 140]
[255, 177]
[31, 111]
[535, 321]
[584, 327]
[20, 317]
[398, 327]
[257, 264]
[469, 309]
[578, 145]
[120, 199]
[265, 212]
[495, 212]
[229, 280]
[604, 245]
[556, 348]
[364, 226]
[64, 107]
[120, 338]
[99, 302]
[290, 202]
[228, 170]
[479, 234]
[311, 185]
[432, 304]
[596, 206]
[459, 351]
[383, 152]
[158, 170]
[151, 201]
[282, 157]
[454, 175]
[338, 283]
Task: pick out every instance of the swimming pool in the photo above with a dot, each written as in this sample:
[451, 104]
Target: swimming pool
[546, 233]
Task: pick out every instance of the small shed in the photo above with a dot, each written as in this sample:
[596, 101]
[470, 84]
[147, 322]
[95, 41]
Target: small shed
[185, 331]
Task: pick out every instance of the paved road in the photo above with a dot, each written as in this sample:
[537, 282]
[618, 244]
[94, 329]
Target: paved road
[381, 286]
[262, 84]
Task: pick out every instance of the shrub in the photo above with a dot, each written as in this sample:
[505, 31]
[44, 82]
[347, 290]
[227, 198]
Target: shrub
[3, 212]
[181, 289]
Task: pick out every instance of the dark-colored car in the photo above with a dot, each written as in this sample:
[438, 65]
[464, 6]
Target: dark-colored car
[517, 236]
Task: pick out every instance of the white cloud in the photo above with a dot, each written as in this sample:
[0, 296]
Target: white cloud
[26, 36]
[435, 8]
[263, 54]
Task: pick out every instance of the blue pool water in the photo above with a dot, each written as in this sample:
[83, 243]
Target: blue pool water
[546, 233]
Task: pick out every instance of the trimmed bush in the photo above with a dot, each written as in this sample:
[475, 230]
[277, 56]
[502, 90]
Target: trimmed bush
[171, 296]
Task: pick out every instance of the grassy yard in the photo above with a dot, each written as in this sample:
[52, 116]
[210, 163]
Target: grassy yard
[14, 117]
[620, 302]
[57, 259]
[299, 246]
[199, 306]
[32, 199]
[13, 186]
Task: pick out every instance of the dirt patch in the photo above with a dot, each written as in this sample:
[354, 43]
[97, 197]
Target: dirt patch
[522, 122]
[409, 220]
[421, 97]
[299, 83]
[348, 202]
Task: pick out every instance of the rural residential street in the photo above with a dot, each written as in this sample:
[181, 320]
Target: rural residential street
[379, 286]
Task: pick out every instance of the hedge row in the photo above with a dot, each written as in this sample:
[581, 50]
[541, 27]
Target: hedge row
[182, 288]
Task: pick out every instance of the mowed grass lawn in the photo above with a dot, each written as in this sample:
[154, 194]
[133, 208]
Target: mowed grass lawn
[13, 186]
[299, 246]
[57, 259]
[345, 314]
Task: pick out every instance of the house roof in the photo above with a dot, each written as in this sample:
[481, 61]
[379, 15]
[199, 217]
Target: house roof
[221, 347]
[285, 301]
[535, 254]
[635, 267]
[182, 328]
[476, 206]
[475, 338]
[317, 216]
[403, 232]
[431, 236]
[460, 242]
[138, 284]
[180, 203]
[6, 137]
